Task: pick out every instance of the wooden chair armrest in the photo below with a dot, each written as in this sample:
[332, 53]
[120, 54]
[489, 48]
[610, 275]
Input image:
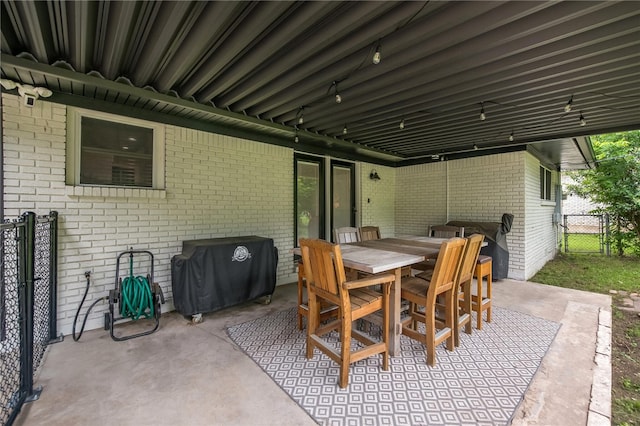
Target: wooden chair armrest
[369, 281]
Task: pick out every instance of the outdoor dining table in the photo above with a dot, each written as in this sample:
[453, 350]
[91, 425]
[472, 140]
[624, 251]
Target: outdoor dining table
[405, 245]
[418, 248]
[385, 255]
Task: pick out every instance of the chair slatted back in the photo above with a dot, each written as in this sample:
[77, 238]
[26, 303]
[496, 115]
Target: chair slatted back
[324, 270]
[447, 266]
[369, 233]
[470, 257]
[446, 231]
[346, 234]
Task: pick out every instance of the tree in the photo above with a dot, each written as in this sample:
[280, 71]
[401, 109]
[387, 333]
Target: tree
[615, 184]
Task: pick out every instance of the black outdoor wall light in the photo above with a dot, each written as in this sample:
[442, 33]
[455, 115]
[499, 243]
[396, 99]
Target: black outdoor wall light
[374, 175]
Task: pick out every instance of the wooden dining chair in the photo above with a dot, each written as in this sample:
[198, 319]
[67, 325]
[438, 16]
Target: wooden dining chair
[439, 231]
[463, 295]
[326, 280]
[327, 310]
[422, 294]
[369, 233]
[346, 234]
[445, 231]
[481, 301]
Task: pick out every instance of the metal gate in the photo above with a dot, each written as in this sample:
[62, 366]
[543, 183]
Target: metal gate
[586, 233]
[27, 306]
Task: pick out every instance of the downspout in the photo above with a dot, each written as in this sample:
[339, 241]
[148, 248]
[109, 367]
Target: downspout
[358, 195]
[446, 194]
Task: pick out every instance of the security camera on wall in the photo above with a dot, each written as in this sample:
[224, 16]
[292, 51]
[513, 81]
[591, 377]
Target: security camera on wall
[28, 93]
[29, 100]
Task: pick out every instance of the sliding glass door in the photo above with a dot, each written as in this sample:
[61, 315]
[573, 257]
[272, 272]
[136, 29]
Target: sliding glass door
[309, 197]
[318, 210]
[343, 204]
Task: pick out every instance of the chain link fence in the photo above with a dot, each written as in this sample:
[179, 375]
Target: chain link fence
[10, 348]
[27, 306]
[586, 233]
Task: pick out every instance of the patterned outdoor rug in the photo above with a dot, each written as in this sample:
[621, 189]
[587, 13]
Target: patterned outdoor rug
[481, 382]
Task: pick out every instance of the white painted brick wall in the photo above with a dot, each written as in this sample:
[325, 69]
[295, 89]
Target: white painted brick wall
[483, 188]
[421, 197]
[216, 186]
[542, 236]
[475, 189]
[219, 186]
[378, 198]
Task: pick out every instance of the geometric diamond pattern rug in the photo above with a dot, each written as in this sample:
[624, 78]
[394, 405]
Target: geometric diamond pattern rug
[480, 383]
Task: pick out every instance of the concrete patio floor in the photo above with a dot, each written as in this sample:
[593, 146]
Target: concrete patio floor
[187, 374]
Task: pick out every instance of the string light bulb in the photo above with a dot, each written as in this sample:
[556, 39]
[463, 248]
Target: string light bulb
[482, 114]
[377, 57]
[338, 97]
[402, 124]
[475, 147]
[583, 122]
[511, 137]
[301, 117]
[344, 130]
[567, 107]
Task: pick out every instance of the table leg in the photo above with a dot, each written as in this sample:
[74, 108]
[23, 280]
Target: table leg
[395, 328]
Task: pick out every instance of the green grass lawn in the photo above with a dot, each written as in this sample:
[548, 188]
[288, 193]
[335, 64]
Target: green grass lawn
[595, 273]
[582, 243]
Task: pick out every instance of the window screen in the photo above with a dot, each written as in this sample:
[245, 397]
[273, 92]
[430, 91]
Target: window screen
[115, 154]
[545, 183]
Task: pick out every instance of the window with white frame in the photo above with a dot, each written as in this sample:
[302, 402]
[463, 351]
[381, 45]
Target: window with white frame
[111, 150]
[545, 183]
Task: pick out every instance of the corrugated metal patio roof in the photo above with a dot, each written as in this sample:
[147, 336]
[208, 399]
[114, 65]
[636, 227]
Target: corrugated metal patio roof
[271, 70]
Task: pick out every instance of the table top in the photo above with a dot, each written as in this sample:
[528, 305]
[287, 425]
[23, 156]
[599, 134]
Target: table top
[374, 260]
[371, 260]
[419, 239]
[401, 246]
[386, 254]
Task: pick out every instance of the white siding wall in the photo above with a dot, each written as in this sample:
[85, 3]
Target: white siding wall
[574, 204]
[378, 199]
[216, 186]
[541, 240]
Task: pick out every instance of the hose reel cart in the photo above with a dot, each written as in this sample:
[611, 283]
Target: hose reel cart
[134, 297]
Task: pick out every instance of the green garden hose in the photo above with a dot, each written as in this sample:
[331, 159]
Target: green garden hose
[136, 296]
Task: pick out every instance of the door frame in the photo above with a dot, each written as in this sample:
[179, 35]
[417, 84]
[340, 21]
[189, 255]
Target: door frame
[352, 202]
[322, 199]
[326, 188]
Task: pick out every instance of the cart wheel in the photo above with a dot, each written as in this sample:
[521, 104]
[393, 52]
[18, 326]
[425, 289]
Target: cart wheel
[264, 300]
[158, 310]
[107, 320]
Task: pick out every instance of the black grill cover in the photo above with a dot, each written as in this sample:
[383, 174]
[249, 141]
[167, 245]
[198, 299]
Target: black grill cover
[217, 273]
[495, 233]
